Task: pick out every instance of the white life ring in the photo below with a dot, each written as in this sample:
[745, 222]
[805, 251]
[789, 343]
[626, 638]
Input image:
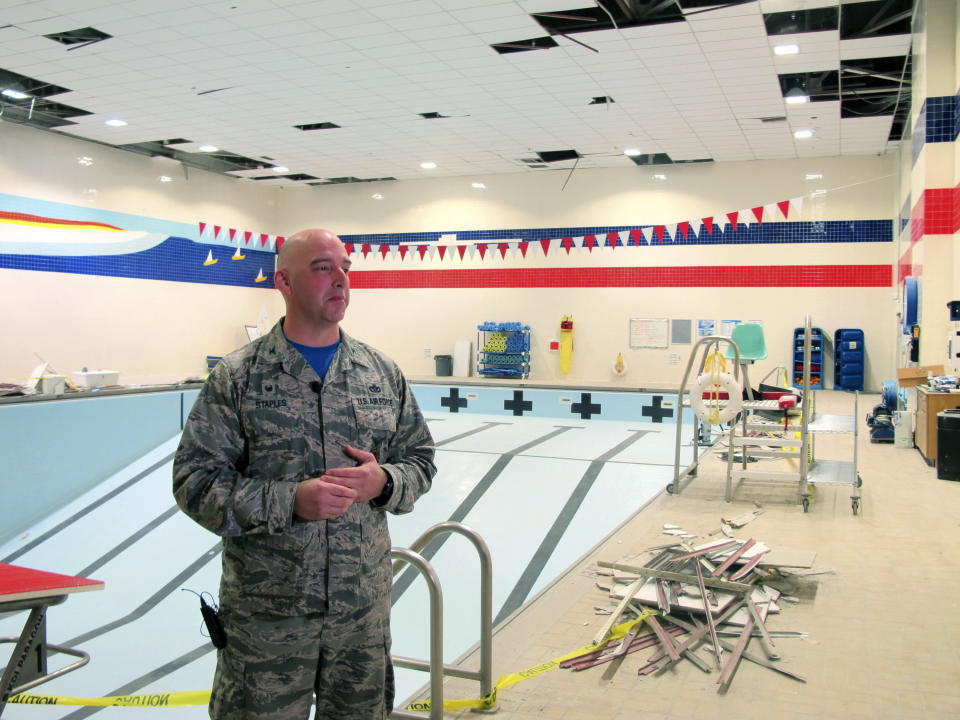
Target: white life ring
[710, 410]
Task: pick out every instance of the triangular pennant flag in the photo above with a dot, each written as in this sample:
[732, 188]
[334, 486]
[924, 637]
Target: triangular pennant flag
[658, 231]
[203, 226]
[482, 249]
[672, 233]
[758, 213]
[422, 249]
[432, 249]
[646, 233]
[770, 211]
[403, 252]
[613, 239]
[784, 206]
[462, 249]
[566, 244]
[545, 244]
[637, 236]
[590, 241]
[745, 217]
[280, 240]
[365, 249]
[263, 239]
[503, 249]
[349, 248]
[246, 237]
[708, 224]
[216, 232]
[384, 249]
[684, 228]
[732, 217]
[523, 244]
[798, 204]
[233, 233]
[442, 250]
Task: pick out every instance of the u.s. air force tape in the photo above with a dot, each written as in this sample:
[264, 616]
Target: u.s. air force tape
[505, 681]
[202, 697]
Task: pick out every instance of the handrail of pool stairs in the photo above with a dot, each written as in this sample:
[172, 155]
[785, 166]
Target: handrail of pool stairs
[691, 469]
[435, 666]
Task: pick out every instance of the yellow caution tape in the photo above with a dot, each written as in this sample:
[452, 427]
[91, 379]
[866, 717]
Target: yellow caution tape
[505, 681]
[202, 697]
[171, 699]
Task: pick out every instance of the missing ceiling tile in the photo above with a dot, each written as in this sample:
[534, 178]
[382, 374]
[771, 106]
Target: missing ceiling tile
[549, 156]
[602, 100]
[79, 38]
[540, 43]
[432, 115]
[317, 126]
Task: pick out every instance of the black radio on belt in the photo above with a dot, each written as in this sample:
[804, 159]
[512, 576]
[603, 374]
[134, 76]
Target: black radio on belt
[211, 619]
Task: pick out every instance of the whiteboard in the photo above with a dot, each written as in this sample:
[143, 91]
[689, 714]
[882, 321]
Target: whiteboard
[649, 332]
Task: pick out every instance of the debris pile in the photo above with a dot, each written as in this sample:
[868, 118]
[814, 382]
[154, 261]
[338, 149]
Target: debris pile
[679, 598]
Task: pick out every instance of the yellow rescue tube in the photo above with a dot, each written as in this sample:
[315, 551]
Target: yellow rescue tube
[566, 343]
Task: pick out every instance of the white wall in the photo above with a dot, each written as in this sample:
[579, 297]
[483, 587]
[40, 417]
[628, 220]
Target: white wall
[160, 331]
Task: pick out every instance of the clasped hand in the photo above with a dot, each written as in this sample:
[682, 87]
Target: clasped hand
[329, 495]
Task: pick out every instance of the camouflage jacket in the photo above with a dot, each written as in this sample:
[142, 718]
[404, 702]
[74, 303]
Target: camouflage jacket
[264, 422]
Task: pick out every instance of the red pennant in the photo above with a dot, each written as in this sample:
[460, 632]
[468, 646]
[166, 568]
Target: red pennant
[280, 240]
[637, 236]
[566, 244]
[523, 248]
[443, 250]
[732, 217]
[233, 232]
[203, 225]
[658, 231]
[384, 249]
[613, 239]
[503, 249]
[263, 239]
[482, 247]
[422, 249]
[246, 238]
[216, 231]
[349, 248]
[590, 241]
[461, 249]
[403, 252]
[708, 224]
[784, 206]
[758, 213]
[684, 228]
[365, 249]
[545, 244]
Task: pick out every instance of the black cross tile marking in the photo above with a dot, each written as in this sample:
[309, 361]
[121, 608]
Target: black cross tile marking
[518, 404]
[585, 407]
[655, 411]
[454, 402]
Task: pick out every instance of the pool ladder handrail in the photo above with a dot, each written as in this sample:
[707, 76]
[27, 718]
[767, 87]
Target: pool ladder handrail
[435, 666]
[709, 341]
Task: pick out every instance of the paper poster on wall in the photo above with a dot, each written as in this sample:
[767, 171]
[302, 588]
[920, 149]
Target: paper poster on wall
[649, 332]
[680, 331]
[727, 326]
[705, 328]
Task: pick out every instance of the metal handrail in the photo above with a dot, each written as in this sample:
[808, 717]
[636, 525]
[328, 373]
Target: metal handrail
[436, 666]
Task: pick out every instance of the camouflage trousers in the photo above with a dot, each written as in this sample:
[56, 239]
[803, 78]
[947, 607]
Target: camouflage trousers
[272, 666]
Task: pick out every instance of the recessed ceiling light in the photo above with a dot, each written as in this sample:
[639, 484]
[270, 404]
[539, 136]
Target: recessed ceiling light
[803, 134]
[85, 161]
[280, 168]
[208, 148]
[15, 94]
[116, 122]
[658, 176]
[377, 196]
[165, 178]
[796, 96]
[478, 186]
[632, 152]
[428, 165]
[786, 49]
[813, 176]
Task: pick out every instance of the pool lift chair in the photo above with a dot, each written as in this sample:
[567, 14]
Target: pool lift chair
[749, 338]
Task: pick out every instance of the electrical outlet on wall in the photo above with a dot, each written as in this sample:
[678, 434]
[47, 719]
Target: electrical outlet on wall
[427, 353]
[674, 359]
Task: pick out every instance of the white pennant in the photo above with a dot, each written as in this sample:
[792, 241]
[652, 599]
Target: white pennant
[797, 202]
[472, 250]
[672, 230]
[770, 211]
[645, 234]
[432, 251]
[746, 216]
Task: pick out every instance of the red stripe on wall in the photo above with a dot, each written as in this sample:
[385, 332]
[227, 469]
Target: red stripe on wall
[685, 276]
[938, 212]
[26, 218]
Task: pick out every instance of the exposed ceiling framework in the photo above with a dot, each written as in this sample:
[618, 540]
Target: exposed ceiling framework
[336, 91]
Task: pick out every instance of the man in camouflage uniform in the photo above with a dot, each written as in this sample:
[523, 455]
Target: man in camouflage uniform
[295, 466]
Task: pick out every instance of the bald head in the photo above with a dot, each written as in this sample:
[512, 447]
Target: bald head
[297, 245]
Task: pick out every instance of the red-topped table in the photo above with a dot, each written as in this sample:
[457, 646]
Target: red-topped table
[35, 590]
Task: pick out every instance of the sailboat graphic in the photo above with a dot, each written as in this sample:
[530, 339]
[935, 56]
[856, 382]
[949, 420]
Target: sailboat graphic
[210, 259]
[260, 276]
[237, 255]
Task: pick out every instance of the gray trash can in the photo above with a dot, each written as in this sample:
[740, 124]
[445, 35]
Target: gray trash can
[444, 365]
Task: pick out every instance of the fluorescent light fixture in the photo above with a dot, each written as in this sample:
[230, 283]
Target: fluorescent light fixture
[85, 161]
[632, 152]
[377, 196]
[15, 94]
[478, 186]
[786, 49]
[428, 165]
[208, 148]
[803, 134]
[658, 176]
[796, 96]
[280, 168]
[116, 122]
[813, 176]
[165, 179]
